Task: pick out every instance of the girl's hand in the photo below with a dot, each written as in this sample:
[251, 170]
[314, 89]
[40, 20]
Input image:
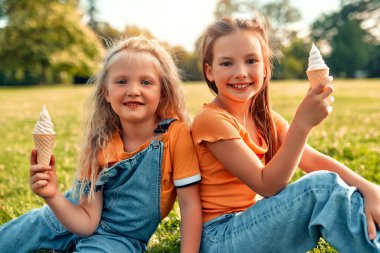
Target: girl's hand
[372, 208]
[42, 178]
[316, 106]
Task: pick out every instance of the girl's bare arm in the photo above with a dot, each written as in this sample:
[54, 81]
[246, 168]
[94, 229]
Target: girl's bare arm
[191, 218]
[271, 178]
[81, 219]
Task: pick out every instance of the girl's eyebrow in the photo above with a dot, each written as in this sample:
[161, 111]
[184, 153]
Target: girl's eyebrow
[254, 54]
[223, 58]
[118, 75]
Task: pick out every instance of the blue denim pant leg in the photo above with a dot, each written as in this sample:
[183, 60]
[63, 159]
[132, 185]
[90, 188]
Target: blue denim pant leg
[106, 241]
[319, 204]
[36, 229]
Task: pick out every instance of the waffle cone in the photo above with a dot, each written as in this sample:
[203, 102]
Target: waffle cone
[316, 76]
[44, 144]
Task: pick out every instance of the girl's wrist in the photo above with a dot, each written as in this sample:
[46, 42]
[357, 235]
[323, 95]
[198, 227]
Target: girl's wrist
[367, 188]
[53, 199]
[300, 126]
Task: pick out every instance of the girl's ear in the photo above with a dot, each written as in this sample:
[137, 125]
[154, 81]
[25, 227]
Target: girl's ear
[208, 72]
[106, 94]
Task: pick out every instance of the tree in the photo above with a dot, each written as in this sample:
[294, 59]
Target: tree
[374, 61]
[226, 8]
[346, 58]
[294, 62]
[2, 9]
[106, 33]
[92, 11]
[366, 12]
[45, 41]
[132, 30]
[187, 63]
[352, 34]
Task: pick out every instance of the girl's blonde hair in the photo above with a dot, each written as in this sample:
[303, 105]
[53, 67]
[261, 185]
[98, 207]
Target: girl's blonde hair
[260, 109]
[102, 121]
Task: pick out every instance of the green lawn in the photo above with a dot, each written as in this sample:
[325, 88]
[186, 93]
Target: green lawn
[351, 135]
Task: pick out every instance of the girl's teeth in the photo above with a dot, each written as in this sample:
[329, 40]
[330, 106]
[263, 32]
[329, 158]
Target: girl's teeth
[240, 86]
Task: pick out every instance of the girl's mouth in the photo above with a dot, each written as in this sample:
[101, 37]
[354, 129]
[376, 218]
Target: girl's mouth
[133, 104]
[240, 86]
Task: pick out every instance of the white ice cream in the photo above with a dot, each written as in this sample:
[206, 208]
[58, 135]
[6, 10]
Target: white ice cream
[44, 124]
[315, 59]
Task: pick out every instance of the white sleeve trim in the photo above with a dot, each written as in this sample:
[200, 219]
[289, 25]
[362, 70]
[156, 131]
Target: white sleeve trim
[186, 181]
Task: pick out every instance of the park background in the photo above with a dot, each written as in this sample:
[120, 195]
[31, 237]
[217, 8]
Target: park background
[49, 49]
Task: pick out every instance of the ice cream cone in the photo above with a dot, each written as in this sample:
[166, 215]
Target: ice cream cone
[315, 76]
[44, 144]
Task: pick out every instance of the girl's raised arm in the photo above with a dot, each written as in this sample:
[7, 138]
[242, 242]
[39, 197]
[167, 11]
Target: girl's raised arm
[269, 179]
[81, 219]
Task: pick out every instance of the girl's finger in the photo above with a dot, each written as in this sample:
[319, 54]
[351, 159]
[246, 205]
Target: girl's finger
[326, 81]
[39, 176]
[329, 109]
[318, 88]
[52, 160]
[330, 99]
[371, 227]
[325, 92]
[39, 168]
[39, 184]
[33, 157]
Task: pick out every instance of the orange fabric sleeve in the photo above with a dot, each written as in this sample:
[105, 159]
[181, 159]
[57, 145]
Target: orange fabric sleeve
[184, 156]
[215, 125]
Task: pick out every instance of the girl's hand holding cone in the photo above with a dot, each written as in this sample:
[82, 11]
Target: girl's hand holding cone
[43, 178]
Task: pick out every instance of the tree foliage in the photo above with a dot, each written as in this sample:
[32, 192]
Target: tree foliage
[353, 36]
[294, 61]
[45, 41]
[188, 63]
[366, 12]
[354, 55]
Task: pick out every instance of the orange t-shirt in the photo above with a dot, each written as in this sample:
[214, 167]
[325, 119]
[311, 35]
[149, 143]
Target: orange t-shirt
[220, 191]
[179, 162]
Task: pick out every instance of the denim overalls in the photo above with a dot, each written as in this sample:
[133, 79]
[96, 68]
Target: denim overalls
[319, 204]
[131, 210]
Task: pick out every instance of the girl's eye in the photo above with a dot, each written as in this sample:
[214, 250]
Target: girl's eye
[146, 82]
[121, 82]
[251, 61]
[226, 63]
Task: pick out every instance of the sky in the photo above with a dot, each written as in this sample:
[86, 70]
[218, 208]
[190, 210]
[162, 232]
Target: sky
[181, 22]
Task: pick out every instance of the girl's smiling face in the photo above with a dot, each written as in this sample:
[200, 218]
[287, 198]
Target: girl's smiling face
[237, 67]
[134, 87]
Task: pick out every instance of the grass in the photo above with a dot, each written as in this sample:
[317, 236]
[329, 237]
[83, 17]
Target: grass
[351, 135]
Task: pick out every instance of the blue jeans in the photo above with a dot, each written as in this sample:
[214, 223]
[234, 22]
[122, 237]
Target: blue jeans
[319, 204]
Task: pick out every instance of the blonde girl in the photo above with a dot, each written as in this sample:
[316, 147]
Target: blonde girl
[137, 156]
[245, 149]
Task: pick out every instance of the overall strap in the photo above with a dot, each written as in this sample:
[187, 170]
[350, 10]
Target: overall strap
[163, 126]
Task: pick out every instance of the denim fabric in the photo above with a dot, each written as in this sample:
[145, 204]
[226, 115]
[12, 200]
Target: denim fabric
[131, 211]
[319, 204]
[37, 229]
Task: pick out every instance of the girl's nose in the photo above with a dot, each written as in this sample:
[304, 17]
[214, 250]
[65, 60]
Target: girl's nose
[133, 90]
[241, 73]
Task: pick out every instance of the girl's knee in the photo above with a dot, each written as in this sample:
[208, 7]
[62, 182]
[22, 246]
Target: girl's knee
[322, 177]
[326, 179]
